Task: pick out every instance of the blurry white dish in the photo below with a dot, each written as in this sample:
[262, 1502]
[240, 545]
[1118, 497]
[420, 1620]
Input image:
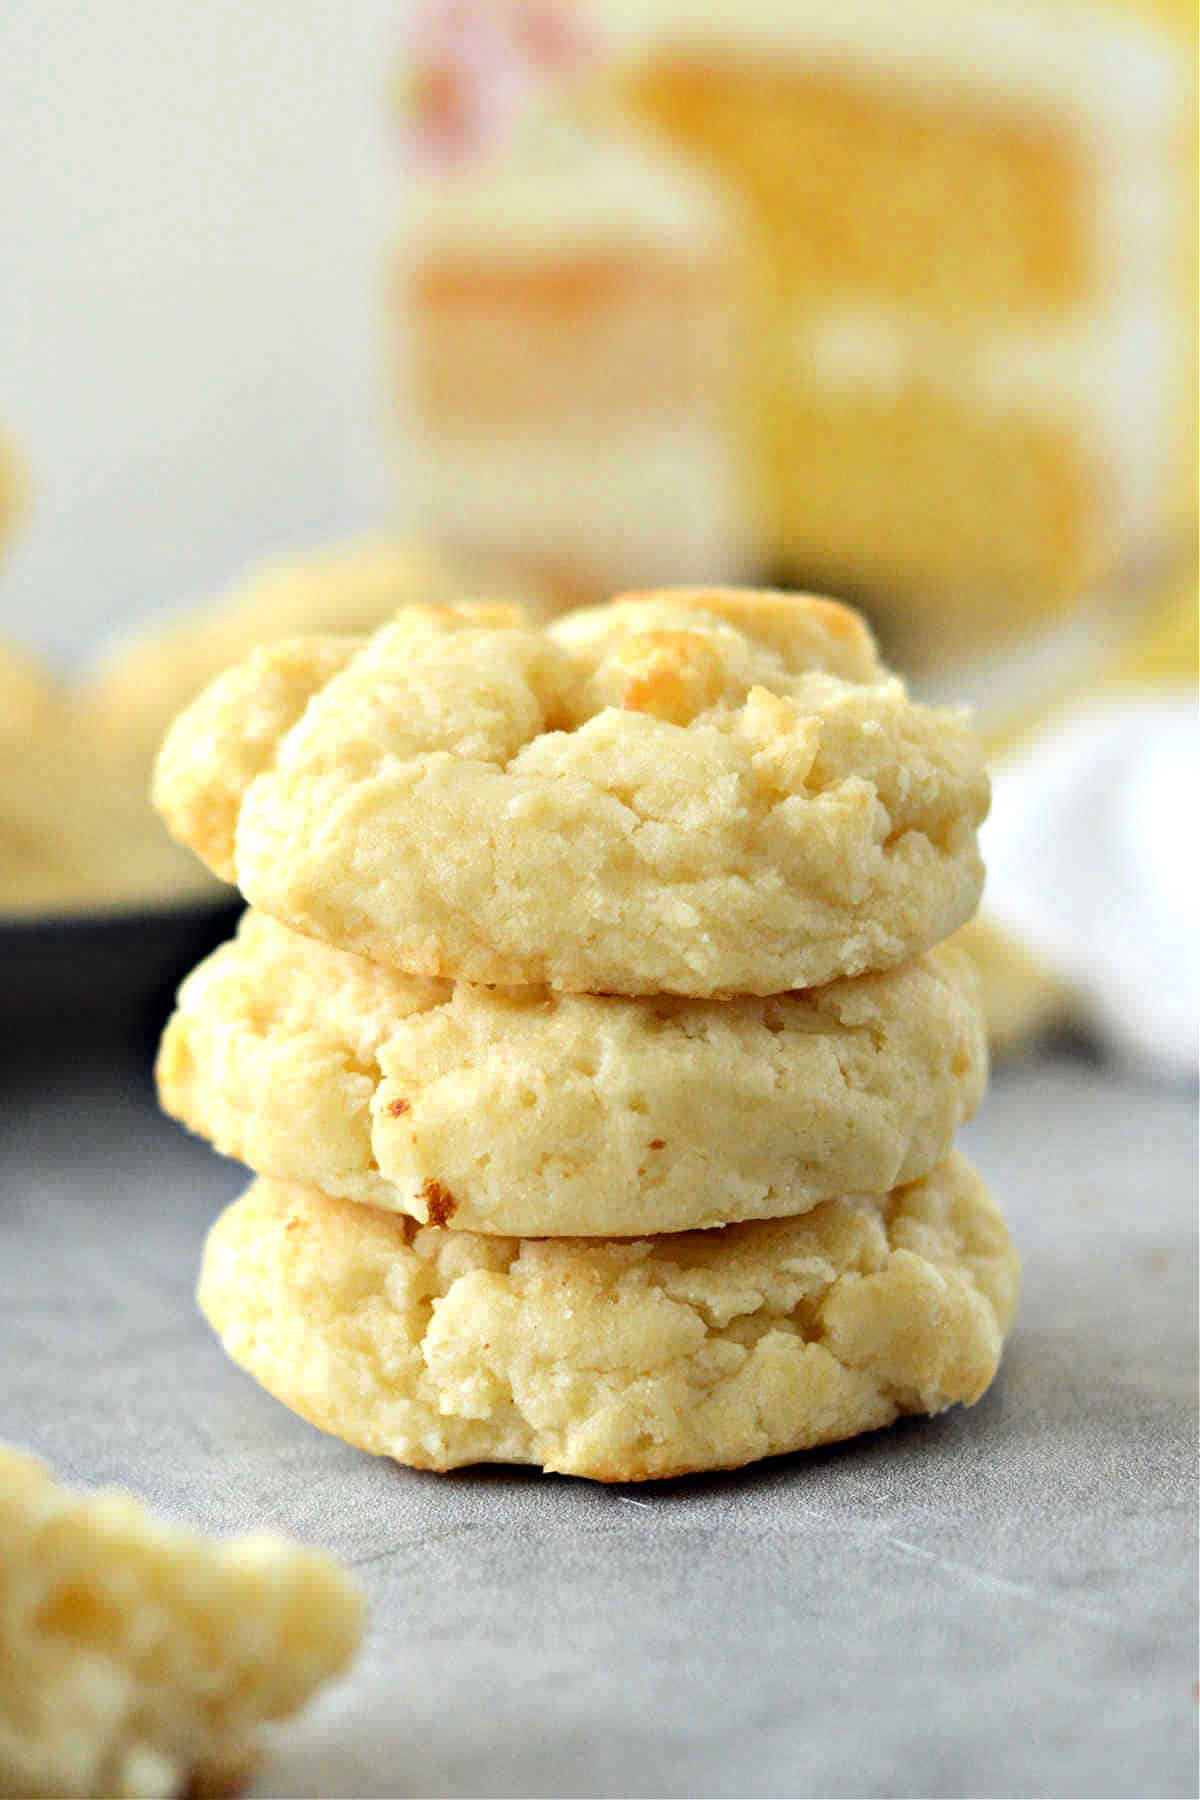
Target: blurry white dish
[1093, 863]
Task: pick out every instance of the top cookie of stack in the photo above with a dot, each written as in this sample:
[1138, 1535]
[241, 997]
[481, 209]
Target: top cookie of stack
[694, 792]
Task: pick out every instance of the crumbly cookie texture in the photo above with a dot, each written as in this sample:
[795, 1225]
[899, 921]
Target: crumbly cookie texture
[137, 1660]
[702, 792]
[531, 1113]
[615, 1360]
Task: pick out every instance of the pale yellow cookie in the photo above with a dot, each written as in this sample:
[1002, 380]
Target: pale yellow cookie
[138, 1660]
[144, 680]
[13, 490]
[47, 841]
[699, 792]
[616, 1360]
[91, 785]
[75, 830]
[532, 1113]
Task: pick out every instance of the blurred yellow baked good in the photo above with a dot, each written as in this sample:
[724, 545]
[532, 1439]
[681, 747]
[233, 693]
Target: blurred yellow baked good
[145, 679]
[137, 1660]
[1164, 647]
[76, 828]
[891, 301]
[12, 490]
[965, 264]
[32, 714]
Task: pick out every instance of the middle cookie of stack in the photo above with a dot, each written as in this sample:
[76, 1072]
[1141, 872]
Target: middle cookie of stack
[646, 821]
[528, 1113]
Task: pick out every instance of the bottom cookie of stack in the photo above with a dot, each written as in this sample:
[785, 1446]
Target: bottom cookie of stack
[621, 1360]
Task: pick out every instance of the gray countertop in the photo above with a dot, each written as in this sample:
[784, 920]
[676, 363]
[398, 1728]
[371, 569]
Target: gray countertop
[998, 1602]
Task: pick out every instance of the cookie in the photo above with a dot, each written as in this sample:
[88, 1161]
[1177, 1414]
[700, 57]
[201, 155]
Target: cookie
[13, 490]
[617, 1360]
[136, 1659]
[144, 680]
[30, 697]
[74, 832]
[532, 1113]
[33, 853]
[703, 792]
[47, 831]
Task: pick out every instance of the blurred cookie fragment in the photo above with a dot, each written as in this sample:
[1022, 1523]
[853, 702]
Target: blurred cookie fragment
[146, 677]
[77, 830]
[137, 1660]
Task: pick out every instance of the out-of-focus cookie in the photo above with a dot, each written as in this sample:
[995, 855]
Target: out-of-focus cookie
[615, 1360]
[695, 792]
[138, 1660]
[30, 698]
[75, 830]
[1022, 1000]
[531, 1113]
[32, 717]
[143, 681]
[122, 710]
[51, 837]
[13, 483]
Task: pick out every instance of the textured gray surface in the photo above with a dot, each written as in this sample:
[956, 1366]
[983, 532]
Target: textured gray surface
[1000, 1602]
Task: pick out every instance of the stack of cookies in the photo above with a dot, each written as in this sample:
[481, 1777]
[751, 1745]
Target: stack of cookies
[587, 1034]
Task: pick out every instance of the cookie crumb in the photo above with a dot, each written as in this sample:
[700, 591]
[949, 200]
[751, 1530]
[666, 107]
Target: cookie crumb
[142, 1660]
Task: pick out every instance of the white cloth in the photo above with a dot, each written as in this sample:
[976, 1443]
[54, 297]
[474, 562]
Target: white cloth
[1094, 862]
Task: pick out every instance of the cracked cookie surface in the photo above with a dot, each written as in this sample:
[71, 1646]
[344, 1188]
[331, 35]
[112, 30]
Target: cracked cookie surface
[702, 792]
[615, 1360]
[531, 1113]
[138, 1660]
